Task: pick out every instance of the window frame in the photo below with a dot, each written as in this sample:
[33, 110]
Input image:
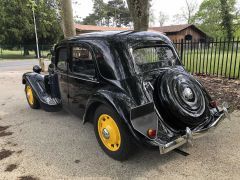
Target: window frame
[164, 45]
[57, 57]
[82, 75]
[135, 47]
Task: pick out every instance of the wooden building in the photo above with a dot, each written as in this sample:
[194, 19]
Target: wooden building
[92, 28]
[185, 32]
[174, 32]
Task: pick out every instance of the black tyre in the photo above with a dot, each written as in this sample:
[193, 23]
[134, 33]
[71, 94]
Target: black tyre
[181, 100]
[31, 97]
[112, 134]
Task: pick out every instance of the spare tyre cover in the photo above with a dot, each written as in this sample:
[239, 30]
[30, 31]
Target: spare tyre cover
[180, 100]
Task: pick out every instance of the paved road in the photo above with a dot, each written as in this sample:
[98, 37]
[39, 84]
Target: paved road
[15, 65]
[58, 146]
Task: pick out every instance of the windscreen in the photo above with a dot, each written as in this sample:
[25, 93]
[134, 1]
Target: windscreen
[155, 57]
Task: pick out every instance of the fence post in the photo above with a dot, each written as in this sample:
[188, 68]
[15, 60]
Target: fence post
[181, 50]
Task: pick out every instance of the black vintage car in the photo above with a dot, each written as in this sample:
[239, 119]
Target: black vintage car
[130, 85]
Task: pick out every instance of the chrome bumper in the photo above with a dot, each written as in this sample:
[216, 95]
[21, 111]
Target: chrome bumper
[190, 135]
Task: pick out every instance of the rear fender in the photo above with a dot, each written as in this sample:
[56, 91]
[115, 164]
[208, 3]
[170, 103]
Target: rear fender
[123, 105]
[118, 101]
[36, 81]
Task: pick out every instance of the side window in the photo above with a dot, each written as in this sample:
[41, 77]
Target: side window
[62, 59]
[82, 61]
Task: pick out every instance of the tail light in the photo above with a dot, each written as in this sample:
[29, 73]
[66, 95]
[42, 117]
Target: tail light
[151, 133]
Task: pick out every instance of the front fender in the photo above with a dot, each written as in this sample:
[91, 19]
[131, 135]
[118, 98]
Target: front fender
[36, 81]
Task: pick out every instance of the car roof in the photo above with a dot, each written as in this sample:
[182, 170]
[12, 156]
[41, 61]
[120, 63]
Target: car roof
[129, 35]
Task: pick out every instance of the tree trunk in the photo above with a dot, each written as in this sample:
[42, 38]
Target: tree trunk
[25, 51]
[67, 18]
[227, 18]
[139, 10]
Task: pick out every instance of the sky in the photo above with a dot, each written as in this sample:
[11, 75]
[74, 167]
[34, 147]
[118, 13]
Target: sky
[168, 7]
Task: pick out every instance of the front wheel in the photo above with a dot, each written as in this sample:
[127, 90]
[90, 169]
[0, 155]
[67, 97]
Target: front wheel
[31, 98]
[112, 134]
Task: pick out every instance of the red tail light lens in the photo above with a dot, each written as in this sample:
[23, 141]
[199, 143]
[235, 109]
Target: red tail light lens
[152, 133]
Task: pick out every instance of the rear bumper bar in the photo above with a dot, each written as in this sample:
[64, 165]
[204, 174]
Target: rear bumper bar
[190, 135]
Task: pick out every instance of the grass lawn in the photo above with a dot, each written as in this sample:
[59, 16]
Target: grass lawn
[223, 63]
[18, 54]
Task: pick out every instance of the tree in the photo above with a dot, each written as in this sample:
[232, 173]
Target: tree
[117, 11]
[152, 17]
[237, 22]
[216, 19]
[91, 19]
[208, 18]
[99, 11]
[187, 13]
[162, 18]
[19, 29]
[139, 10]
[113, 13]
[2, 15]
[227, 8]
[67, 18]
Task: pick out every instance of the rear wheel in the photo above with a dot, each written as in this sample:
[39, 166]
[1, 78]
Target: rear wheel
[31, 98]
[112, 134]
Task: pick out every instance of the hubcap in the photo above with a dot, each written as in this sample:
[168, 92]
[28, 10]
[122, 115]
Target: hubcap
[29, 95]
[188, 94]
[109, 132]
[105, 133]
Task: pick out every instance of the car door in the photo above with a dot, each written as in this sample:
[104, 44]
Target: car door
[82, 77]
[61, 64]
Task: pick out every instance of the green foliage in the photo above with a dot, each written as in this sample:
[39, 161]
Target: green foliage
[2, 15]
[17, 25]
[208, 18]
[227, 9]
[237, 33]
[217, 18]
[91, 19]
[113, 13]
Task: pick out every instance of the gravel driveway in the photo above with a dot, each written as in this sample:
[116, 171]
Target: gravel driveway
[39, 145]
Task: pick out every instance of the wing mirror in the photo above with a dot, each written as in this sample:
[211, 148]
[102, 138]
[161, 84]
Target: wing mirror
[37, 69]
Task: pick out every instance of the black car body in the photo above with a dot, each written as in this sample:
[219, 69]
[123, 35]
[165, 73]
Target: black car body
[139, 76]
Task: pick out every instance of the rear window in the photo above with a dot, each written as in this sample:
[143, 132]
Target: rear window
[150, 58]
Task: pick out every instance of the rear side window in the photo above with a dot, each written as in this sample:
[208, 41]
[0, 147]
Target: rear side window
[62, 59]
[82, 61]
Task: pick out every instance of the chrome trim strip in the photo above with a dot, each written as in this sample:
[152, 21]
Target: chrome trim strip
[77, 77]
[84, 79]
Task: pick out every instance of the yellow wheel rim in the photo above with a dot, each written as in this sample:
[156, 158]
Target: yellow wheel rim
[29, 95]
[108, 132]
